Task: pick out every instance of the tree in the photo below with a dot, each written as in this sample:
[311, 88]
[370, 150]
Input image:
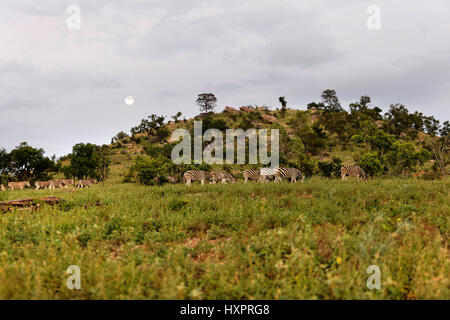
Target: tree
[431, 125]
[84, 161]
[176, 117]
[400, 121]
[371, 164]
[283, 105]
[153, 127]
[380, 141]
[120, 136]
[4, 165]
[330, 169]
[360, 111]
[103, 162]
[441, 147]
[28, 163]
[403, 157]
[331, 101]
[206, 102]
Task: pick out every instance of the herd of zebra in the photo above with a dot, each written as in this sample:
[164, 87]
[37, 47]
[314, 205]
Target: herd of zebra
[264, 175]
[50, 184]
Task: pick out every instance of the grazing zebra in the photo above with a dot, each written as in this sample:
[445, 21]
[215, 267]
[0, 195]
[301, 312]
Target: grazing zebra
[224, 177]
[195, 175]
[289, 173]
[354, 171]
[19, 185]
[86, 183]
[251, 175]
[43, 184]
[267, 173]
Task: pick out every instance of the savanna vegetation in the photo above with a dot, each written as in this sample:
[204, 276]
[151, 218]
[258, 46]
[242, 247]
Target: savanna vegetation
[140, 235]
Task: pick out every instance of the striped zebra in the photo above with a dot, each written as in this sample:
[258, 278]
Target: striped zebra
[289, 173]
[251, 175]
[354, 171]
[267, 173]
[224, 177]
[195, 175]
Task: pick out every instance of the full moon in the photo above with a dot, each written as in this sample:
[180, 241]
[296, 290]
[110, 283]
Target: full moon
[129, 100]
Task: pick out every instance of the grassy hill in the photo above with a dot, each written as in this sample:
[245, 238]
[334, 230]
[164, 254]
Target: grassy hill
[246, 241]
[243, 241]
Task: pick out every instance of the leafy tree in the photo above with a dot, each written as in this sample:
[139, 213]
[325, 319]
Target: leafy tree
[380, 141]
[403, 158]
[360, 111]
[371, 164]
[4, 165]
[206, 102]
[441, 147]
[210, 123]
[120, 136]
[103, 162]
[84, 161]
[330, 101]
[154, 127]
[28, 163]
[400, 121]
[431, 125]
[176, 117]
[330, 169]
[319, 106]
[283, 106]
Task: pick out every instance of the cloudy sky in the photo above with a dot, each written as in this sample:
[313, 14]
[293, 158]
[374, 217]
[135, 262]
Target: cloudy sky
[60, 86]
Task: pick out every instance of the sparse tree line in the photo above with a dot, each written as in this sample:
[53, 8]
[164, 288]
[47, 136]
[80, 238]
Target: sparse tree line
[391, 144]
[26, 166]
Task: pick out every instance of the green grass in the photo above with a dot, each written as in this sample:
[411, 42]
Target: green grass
[244, 241]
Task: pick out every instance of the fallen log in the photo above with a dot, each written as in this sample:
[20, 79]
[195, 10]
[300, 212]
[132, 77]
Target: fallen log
[32, 203]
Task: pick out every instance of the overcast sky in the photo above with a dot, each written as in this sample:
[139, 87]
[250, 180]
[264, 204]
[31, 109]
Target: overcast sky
[60, 86]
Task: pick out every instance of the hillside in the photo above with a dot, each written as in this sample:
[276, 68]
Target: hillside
[316, 141]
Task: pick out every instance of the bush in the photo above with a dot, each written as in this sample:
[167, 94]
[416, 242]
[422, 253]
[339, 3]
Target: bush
[371, 164]
[330, 169]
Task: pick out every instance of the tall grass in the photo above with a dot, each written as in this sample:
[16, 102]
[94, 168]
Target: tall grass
[244, 241]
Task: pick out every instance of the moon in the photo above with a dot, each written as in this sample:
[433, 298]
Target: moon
[129, 100]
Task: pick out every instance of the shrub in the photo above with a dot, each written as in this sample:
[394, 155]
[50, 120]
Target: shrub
[330, 169]
[371, 164]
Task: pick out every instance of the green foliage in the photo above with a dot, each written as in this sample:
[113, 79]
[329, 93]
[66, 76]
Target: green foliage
[88, 161]
[154, 127]
[25, 163]
[209, 122]
[403, 158]
[331, 101]
[371, 164]
[283, 106]
[330, 169]
[150, 171]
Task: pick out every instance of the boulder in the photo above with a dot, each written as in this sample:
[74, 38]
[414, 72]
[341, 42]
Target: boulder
[229, 109]
[268, 118]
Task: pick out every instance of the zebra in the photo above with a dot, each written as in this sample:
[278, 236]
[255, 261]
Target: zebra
[224, 177]
[195, 175]
[289, 173]
[43, 184]
[85, 183]
[354, 171]
[251, 175]
[267, 173]
[19, 185]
